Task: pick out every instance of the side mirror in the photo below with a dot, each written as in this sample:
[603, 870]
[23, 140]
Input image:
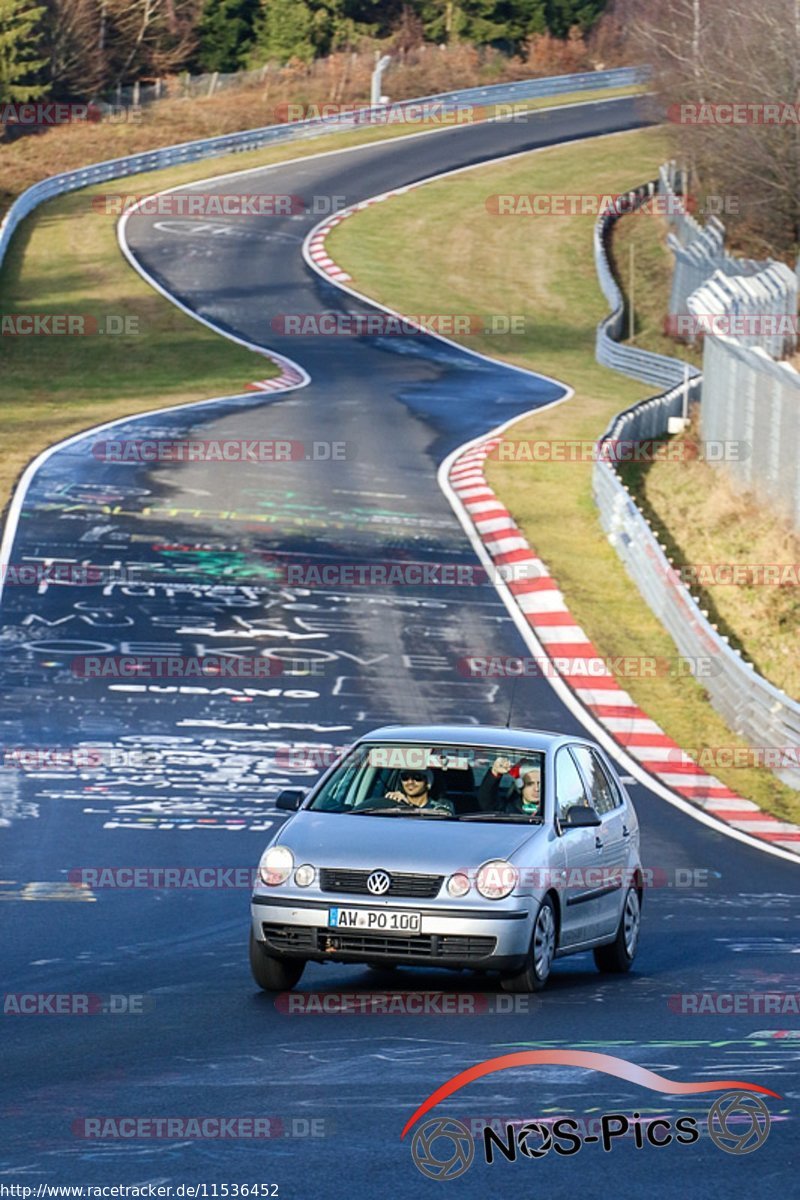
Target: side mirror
[290, 799]
[580, 816]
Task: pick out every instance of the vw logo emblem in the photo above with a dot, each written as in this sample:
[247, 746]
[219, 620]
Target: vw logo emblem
[378, 883]
[738, 1122]
[454, 1151]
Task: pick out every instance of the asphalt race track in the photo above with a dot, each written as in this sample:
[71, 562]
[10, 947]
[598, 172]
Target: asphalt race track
[197, 553]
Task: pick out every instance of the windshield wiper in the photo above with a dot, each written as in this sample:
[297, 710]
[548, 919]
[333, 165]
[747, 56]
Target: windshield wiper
[531, 818]
[404, 812]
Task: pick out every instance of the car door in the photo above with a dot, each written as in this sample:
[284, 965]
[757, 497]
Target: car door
[581, 908]
[606, 799]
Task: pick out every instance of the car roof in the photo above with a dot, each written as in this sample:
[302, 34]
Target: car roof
[474, 735]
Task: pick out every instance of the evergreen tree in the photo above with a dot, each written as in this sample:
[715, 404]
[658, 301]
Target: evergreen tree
[282, 31]
[226, 33]
[19, 40]
[563, 14]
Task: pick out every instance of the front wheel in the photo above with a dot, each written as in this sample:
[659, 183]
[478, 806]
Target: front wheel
[617, 957]
[542, 951]
[273, 974]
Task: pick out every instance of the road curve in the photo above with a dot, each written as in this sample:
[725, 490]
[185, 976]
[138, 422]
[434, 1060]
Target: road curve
[195, 548]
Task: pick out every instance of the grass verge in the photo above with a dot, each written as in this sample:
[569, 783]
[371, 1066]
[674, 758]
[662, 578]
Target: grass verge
[542, 268]
[65, 259]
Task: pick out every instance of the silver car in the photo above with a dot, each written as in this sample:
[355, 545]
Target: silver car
[449, 846]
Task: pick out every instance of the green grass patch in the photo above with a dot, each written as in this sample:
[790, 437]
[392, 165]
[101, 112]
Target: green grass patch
[541, 268]
[65, 259]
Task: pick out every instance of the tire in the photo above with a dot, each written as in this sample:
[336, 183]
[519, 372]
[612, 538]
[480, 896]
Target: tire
[273, 974]
[536, 972]
[616, 958]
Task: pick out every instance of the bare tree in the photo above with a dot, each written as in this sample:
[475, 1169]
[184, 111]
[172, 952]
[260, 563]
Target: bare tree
[150, 37]
[76, 64]
[710, 55]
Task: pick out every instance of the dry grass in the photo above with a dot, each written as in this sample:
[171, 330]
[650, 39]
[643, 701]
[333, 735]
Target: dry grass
[705, 520]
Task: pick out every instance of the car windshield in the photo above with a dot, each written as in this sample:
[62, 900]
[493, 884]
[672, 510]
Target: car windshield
[416, 781]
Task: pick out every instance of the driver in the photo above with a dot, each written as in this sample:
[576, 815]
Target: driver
[416, 791]
[526, 799]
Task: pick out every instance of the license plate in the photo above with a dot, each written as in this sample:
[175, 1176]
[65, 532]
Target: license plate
[375, 919]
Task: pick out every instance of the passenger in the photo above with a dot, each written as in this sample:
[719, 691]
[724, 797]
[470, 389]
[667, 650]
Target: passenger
[526, 798]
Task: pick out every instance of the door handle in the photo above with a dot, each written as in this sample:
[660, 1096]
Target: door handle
[625, 831]
[598, 842]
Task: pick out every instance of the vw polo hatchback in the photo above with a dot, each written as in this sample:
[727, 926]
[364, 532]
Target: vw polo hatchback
[497, 850]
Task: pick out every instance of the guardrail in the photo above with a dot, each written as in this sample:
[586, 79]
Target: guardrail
[640, 364]
[253, 139]
[753, 708]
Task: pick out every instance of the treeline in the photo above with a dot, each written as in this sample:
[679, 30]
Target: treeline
[81, 49]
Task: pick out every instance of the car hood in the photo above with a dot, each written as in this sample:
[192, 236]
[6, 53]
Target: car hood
[424, 845]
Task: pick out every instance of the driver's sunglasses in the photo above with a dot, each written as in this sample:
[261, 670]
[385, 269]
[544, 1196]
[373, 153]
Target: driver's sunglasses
[412, 776]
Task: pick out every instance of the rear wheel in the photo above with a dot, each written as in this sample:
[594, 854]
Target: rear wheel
[618, 956]
[273, 974]
[542, 951]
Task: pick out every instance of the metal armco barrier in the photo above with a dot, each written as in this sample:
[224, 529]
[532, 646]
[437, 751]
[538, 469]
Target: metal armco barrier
[640, 364]
[752, 707]
[253, 139]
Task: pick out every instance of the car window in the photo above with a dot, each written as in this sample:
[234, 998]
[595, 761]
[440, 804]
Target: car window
[604, 797]
[569, 785]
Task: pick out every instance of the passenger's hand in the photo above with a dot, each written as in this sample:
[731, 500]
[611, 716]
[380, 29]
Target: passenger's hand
[501, 766]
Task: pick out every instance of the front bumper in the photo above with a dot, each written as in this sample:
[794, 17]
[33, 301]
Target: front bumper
[486, 940]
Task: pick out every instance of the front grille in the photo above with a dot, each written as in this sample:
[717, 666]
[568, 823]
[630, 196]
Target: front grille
[290, 938]
[311, 939]
[337, 879]
[429, 945]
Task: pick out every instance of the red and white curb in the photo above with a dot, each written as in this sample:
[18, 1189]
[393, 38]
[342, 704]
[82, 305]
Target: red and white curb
[544, 608]
[316, 243]
[290, 377]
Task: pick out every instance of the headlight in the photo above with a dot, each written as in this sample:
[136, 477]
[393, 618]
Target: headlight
[304, 876]
[458, 884]
[496, 879]
[276, 865]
